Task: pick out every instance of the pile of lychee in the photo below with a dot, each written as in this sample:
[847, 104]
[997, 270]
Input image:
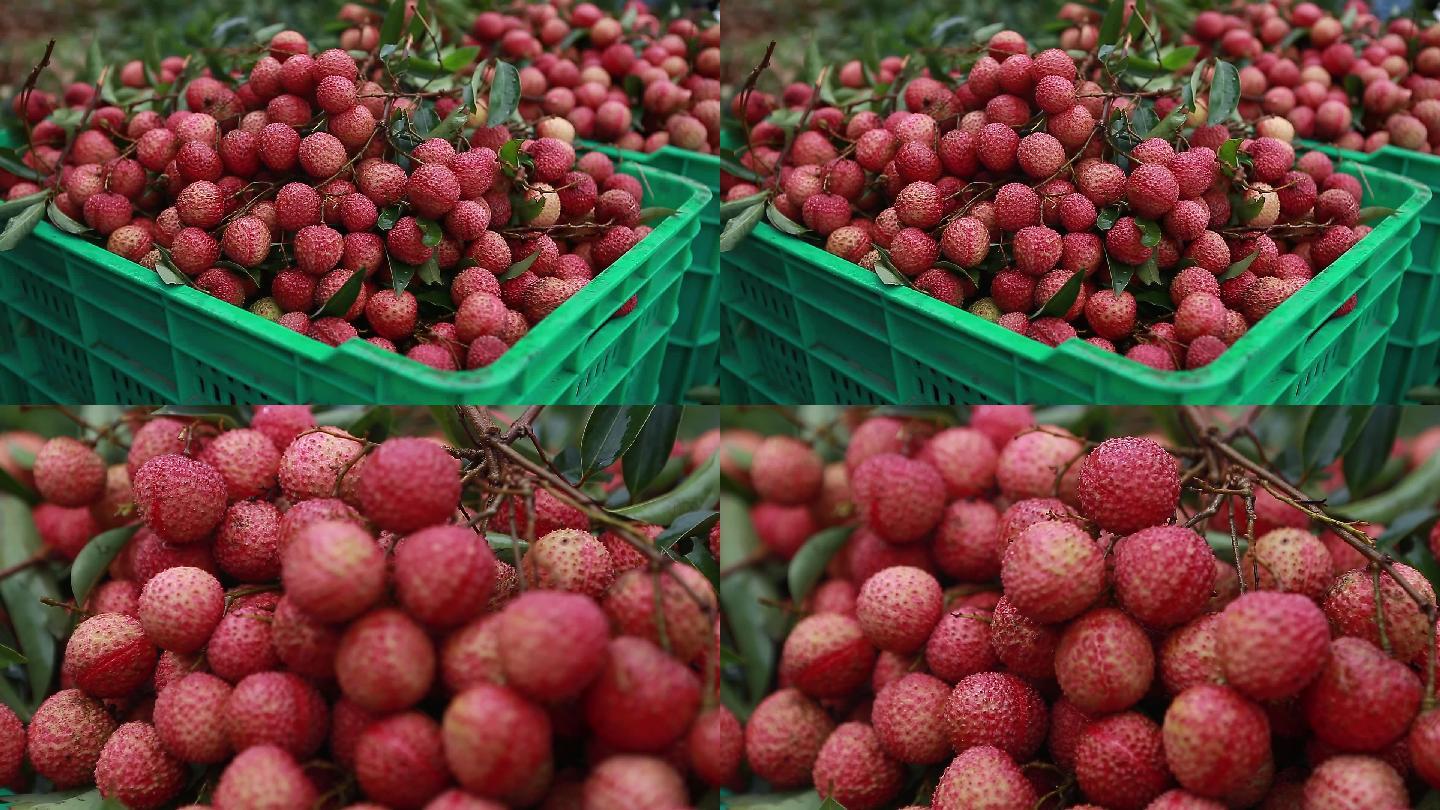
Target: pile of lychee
[1020, 616]
[594, 71]
[304, 620]
[992, 191]
[1317, 71]
[273, 187]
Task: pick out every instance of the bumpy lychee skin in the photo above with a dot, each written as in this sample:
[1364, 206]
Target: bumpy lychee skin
[181, 499]
[304, 644]
[282, 423]
[901, 499]
[1423, 743]
[495, 741]
[276, 708]
[65, 737]
[1350, 607]
[827, 656]
[1215, 740]
[551, 645]
[247, 544]
[471, 655]
[263, 778]
[643, 699]
[12, 746]
[966, 544]
[400, 762]
[854, 770]
[1188, 656]
[960, 644]
[385, 661]
[1367, 719]
[904, 716]
[631, 604]
[786, 470]
[999, 709]
[1120, 761]
[1104, 662]
[965, 459]
[246, 459]
[407, 484]
[1053, 571]
[1354, 782]
[783, 737]
[443, 575]
[135, 770]
[109, 656]
[1127, 484]
[898, 607]
[69, 473]
[1164, 575]
[1271, 645]
[333, 570]
[716, 743]
[179, 608]
[1031, 462]
[983, 776]
[1026, 648]
[569, 560]
[189, 717]
[313, 463]
[241, 644]
[1292, 560]
[627, 781]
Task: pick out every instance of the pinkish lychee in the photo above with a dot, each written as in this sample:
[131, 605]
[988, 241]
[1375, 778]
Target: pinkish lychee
[550, 644]
[109, 656]
[1127, 484]
[407, 484]
[180, 499]
[333, 570]
[898, 607]
[854, 770]
[783, 736]
[569, 560]
[443, 574]
[1105, 662]
[385, 662]
[827, 655]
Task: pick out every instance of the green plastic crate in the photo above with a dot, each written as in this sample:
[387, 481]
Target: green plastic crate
[688, 367]
[80, 324]
[699, 321]
[1416, 336]
[806, 326]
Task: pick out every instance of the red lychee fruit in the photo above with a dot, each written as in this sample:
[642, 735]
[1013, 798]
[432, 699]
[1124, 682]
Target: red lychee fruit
[1104, 662]
[1025, 647]
[246, 459]
[312, 464]
[1127, 484]
[12, 746]
[626, 781]
[827, 656]
[1368, 719]
[135, 770]
[966, 543]
[495, 741]
[263, 778]
[983, 776]
[783, 737]
[1344, 782]
[1053, 571]
[1120, 761]
[443, 575]
[385, 662]
[1271, 645]
[960, 644]
[1164, 575]
[716, 743]
[65, 737]
[180, 499]
[190, 718]
[551, 645]
[904, 716]
[999, 709]
[68, 473]
[785, 470]
[179, 608]
[276, 708]
[570, 560]
[1035, 464]
[399, 761]
[898, 607]
[1215, 740]
[109, 656]
[1350, 607]
[643, 699]
[247, 544]
[1188, 656]
[333, 570]
[854, 770]
[901, 499]
[965, 459]
[408, 483]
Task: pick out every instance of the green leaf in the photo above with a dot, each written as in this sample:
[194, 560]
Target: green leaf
[504, 94]
[1120, 275]
[429, 272]
[1370, 449]
[21, 593]
[520, 267]
[460, 57]
[62, 221]
[1180, 57]
[394, 25]
[1229, 153]
[1150, 233]
[1148, 272]
[1371, 214]
[1107, 218]
[1326, 434]
[449, 420]
[9, 657]
[339, 303]
[983, 34]
[730, 208]
[1112, 23]
[648, 452]
[739, 227]
[10, 207]
[168, 272]
[1224, 93]
[20, 225]
[699, 490]
[374, 424]
[802, 800]
[95, 558]
[813, 62]
[692, 526]
[10, 161]
[783, 222]
[400, 275]
[608, 433]
[453, 124]
[1170, 124]
[1061, 301]
[809, 563]
[655, 214]
[747, 598]
[81, 799]
[1239, 267]
[389, 215]
[1415, 491]
[433, 233]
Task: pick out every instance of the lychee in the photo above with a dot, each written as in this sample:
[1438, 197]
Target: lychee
[551, 645]
[898, 607]
[783, 736]
[385, 661]
[276, 708]
[999, 709]
[65, 737]
[1164, 575]
[109, 656]
[904, 716]
[1104, 662]
[189, 717]
[399, 760]
[1214, 739]
[854, 770]
[263, 777]
[1120, 761]
[179, 608]
[1271, 645]
[333, 570]
[1366, 719]
[68, 473]
[1127, 484]
[983, 776]
[135, 770]
[495, 741]
[827, 656]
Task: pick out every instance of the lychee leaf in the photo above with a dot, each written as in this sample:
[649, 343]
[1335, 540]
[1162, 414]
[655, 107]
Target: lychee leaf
[739, 227]
[688, 528]
[20, 225]
[10, 207]
[1369, 451]
[1415, 491]
[520, 267]
[730, 208]
[1148, 272]
[504, 97]
[339, 303]
[1120, 275]
[460, 57]
[453, 124]
[429, 272]
[1224, 93]
[1063, 298]
[650, 449]
[1150, 234]
[167, 271]
[1239, 267]
[1371, 214]
[655, 214]
[699, 490]
[1113, 23]
[983, 35]
[400, 275]
[783, 222]
[433, 233]
[22, 591]
[95, 558]
[1180, 57]
[810, 561]
[10, 161]
[609, 432]
[1170, 124]
[389, 215]
[9, 484]
[62, 221]
[81, 799]
[813, 63]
